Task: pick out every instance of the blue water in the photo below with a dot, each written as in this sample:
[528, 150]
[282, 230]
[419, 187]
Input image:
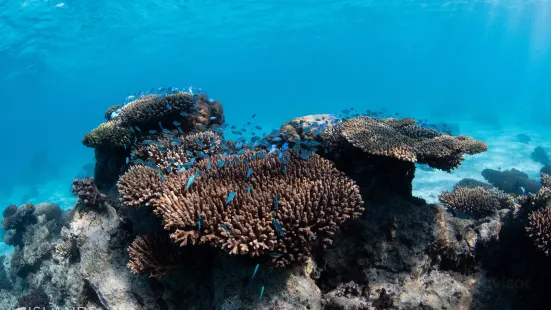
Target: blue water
[63, 63]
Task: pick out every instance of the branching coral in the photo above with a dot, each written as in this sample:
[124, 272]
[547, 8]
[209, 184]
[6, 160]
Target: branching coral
[154, 255]
[139, 185]
[539, 228]
[402, 139]
[87, 191]
[546, 180]
[467, 182]
[476, 201]
[312, 199]
[175, 151]
[107, 135]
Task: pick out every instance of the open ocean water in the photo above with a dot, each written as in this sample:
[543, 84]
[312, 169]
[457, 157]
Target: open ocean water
[482, 68]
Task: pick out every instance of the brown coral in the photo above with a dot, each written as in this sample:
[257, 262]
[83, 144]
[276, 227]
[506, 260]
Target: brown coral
[169, 153]
[87, 191]
[476, 201]
[404, 140]
[192, 111]
[107, 135]
[154, 255]
[314, 198]
[139, 185]
[539, 228]
[546, 180]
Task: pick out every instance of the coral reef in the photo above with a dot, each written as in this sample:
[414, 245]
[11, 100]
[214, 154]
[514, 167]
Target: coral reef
[279, 208]
[87, 191]
[476, 201]
[540, 155]
[511, 181]
[546, 169]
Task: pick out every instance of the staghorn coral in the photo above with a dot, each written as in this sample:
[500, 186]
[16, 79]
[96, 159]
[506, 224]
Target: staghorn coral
[139, 185]
[539, 228]
[170, 153]
[154, 255]
[87, 191]
[477, 201]
[402, 139]
[314, 198]
[107, 135]
[18, 218]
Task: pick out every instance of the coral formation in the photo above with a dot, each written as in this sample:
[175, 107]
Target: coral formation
[154, 255]
[477, 201]
[467, 182]
[546, 169]
[87, 191]
[539, 228]
[540, 155]
[18, 218]
[139, 185]
[110, 111]
[402, 139]
[511, 181]
[35, 299]
[107, 135]
[289, 208]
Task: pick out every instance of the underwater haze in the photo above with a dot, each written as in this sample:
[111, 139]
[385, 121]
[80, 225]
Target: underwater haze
[481, 68]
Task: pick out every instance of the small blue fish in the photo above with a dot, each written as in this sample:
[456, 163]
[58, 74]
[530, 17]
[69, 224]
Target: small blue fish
[261, 292]
[314, 143]
[135, 139]
[241, 152]
[276, 139]
[208, 165]
[162, 176]
[258, 127]
[255, 270]
[220, 164]
[168, 106]
[285, 169]
[276, 203]
[177, 123]
[285, 147]
[305, 154]
[239, 145]
[278, 227]
[199, 143]
[225, 228]
[202, 155]
[138, 128]
[261, 155]
[254, 115]
[248, 174]
[127, 160]
[180, 130]
[212, 118]
[248, 189]
[181, 169]
[190, 181]
[152, 131]
[175, 143]
[161, 125]
[231, 195]
[184, 114]
[199, 223]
